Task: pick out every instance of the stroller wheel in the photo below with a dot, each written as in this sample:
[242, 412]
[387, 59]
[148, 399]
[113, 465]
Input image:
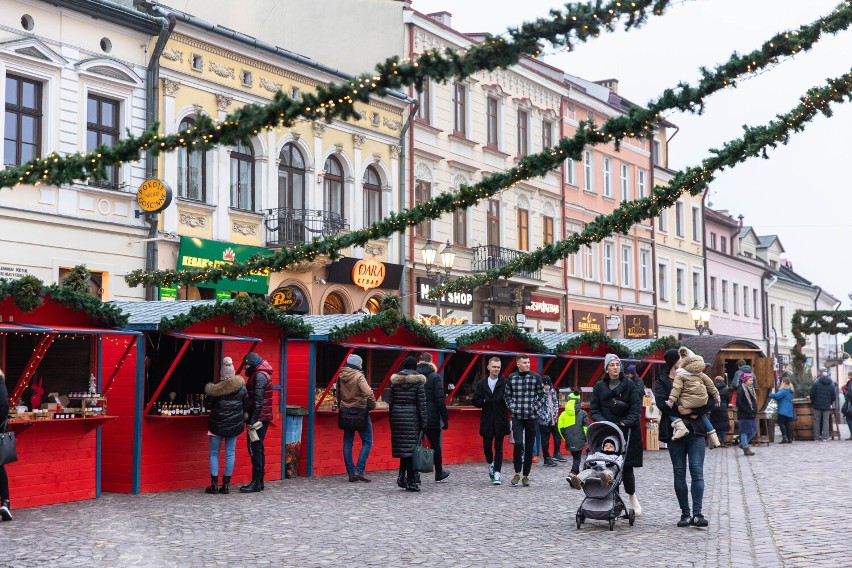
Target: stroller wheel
[631, 517]
[611, 524]
[580, 520]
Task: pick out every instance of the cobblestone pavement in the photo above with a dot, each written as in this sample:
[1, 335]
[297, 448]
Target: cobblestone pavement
[773, 509]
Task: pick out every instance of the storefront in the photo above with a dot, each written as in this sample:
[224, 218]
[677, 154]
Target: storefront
[544, 313]
[347, 285]
[456, 307]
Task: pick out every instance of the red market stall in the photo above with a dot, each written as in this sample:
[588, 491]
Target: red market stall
[62, 366]
[161, 441]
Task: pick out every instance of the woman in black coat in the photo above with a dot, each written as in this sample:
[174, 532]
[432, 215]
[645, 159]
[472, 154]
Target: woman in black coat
[407, 408]
[5, 508]
[616, 399]
[228, 402]
[719, 414]
[494, 418]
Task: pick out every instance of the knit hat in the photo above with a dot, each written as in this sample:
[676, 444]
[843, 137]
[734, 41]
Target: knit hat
[410, 363]
[355, 361]
[671, 356]
[546, 380]
[610, 357]
[252, 360]
[631, 370]
[227, 370]
[611, 440]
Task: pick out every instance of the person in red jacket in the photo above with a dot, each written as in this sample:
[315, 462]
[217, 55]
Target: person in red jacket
[259, 386]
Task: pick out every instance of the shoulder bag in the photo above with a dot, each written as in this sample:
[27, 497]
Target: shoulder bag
[351, 419]
[423, 459]
[8, 452]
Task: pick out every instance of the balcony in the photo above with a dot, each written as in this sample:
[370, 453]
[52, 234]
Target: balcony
[487, 257]
[287, 227]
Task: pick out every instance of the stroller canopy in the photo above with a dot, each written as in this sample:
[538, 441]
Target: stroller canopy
[597, 434]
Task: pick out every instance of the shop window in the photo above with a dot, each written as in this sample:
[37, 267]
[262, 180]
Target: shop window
[197, 367]
[192, 172]
[102, 128]
[374, 305]
[96, 282]
[22, 137]
[334, 304]
[196, 293]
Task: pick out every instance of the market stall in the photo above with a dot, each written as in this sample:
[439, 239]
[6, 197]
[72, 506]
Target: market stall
[161, 441]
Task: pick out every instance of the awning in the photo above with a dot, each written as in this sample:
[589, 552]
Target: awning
[211, 336]
[71, 329]
[7, 327]
[506, 353]
[394, 347]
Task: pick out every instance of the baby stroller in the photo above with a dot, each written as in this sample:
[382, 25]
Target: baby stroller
[604, 503]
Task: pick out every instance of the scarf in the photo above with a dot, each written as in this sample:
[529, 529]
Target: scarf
[751, 397]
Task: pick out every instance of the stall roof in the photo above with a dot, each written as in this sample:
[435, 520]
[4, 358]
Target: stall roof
[213, 336]
[6, 327]
[709, 346]
[146, 316]
[73, 329]
[551, 339]
[393, 347]
[322, 325]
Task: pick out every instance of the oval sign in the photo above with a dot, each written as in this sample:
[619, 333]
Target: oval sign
[368, 274]
[284, 298]
[154, 195]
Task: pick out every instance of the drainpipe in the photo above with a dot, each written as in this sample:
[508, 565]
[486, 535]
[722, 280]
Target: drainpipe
[152, 91]
[816, 335]
[654, 267]
[704, 240]
[764, 290]
[411, 254]
[413, 108]
[563, 108]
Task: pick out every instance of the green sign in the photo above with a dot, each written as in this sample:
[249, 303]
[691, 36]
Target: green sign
[223, 295]
[201, 253]
[168, 293]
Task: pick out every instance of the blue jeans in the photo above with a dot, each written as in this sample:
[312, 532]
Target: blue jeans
[230, 453]
[690, 449]
[366, 436]
[744, 438]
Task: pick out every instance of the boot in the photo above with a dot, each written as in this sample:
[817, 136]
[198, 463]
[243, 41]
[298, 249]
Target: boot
[253, 487]
[213, 489]
[713, 438]
[400, 480]
[226, 482]
[6, 511]
[633, 503]
[680, 429]
[747, 451]
[262, 486]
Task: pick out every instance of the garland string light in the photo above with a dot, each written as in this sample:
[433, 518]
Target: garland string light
[636, 122]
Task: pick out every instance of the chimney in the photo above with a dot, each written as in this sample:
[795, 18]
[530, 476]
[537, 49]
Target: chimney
[741, 217]
[611, 84]
[443, 17]
[786, 263]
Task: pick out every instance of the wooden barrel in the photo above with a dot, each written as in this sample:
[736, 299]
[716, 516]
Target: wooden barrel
[803, 426]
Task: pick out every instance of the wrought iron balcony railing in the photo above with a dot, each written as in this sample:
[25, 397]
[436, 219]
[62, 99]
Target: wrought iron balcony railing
[486, 257]
[286, 226]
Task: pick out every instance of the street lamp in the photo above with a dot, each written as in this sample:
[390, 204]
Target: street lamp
[440, 273]
[701, 317]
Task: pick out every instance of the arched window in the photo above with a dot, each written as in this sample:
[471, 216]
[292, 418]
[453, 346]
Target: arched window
[372, 196]
[333, 304]
[291, 178]
[374, 305]
[333, 186]
[242, 176]
[192, 173]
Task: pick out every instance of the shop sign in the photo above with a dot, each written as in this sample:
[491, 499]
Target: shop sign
[638, 327]
[502, 295]
[543, 307]
[12, 272]
[588, 321]
[168, 293]
[202, 253]
[368, 273]
[154, 195]
[343, 272]
[453, 299]
[286, 298]
[507, 318]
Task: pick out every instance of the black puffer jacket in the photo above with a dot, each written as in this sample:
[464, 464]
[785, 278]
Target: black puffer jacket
[662, 390]
[600, 408]
[4, 399]
[228, 402]
[259, 386]
[823, 393]
[719, 414]
[745, 410]
[494, 420]
[407, 407]
[436, 402]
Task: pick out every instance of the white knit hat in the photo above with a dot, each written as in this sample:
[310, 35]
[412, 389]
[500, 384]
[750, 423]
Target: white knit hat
[227, 370]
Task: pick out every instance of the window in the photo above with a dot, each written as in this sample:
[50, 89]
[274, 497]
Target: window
[570, 111]
[663, 221]
[570, 172]
[546, 134]
[696, 289]
[589, 262]
[644, 269]
[640, 182]
[696, 224]
[424, 98]
[713, 292]
[333, 187]
[713, 241]
[607, 177]
[725, 296]
[663, 282]
[242, 176]
[588, 182]
[679, 225]
[493, 222]
[573, 264]
[735, 298]
[102, 128]
[626, 265]
[679, 286]
[22, 131]
[334, 304]
[196, 62]
[523, 132]
[746, 310]
[755, 303]
[772, 316]
[781, 321]
[422, 193]
[723, 241]
[658, 153]
[547, 230]
[372, 196]
[291, 178]
[492, 112]
[460, 227]
[192, 171]
[607, 260]
[523, 229]
[625, 182]
[460, 106]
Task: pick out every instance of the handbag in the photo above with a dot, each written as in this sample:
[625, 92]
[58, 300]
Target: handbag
[351, 419]
[8, 452]
[423, 459]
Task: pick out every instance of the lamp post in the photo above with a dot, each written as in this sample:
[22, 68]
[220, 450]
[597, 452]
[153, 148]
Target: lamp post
[701, 317]
[440, 273]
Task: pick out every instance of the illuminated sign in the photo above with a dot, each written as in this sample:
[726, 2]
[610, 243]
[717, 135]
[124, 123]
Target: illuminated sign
[284, 298]
[368, 274]
[638, 327]
[543, 307]
[587, 321]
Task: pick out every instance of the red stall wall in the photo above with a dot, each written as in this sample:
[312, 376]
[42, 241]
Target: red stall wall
[117, 435]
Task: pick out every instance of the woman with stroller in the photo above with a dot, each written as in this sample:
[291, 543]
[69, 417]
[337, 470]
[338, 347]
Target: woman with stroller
[616, 399]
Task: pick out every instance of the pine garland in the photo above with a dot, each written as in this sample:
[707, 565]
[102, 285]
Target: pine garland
[578, 23]
[815, 322]
[28, 295]
[661, 344]
[594, 339]
[27, 292]
[242, 310]
[636, 122]
[502, 331]
[389, 321]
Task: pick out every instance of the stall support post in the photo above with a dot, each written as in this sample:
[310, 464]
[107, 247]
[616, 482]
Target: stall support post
[463, 376]
[136, 472]
[394, 368]
[99, 375]
[312, 369]
[334, 379]
[282, 403]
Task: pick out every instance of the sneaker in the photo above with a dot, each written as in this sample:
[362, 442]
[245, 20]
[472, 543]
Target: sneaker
[549, 462]
[525, 481]
[497, 480]
[491, 471]
[442, 477]
[5, 511]
[605, 477]
[535, 459]
[516, 479]
[684, 521]
[699, 521]
[680, 429]
[574, 480]
[559, 457]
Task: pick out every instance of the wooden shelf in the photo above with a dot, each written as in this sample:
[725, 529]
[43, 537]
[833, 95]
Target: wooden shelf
[94, 421]
[161, 417]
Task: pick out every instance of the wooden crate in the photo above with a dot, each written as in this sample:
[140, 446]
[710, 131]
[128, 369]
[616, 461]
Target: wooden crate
[652, 438]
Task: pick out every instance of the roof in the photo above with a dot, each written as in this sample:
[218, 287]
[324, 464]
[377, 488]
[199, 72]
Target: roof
[146, 316]
[324, 324]
[709, 346]
[767, 240]
[744, 231]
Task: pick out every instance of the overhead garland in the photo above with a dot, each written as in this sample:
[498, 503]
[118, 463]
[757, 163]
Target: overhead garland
[576, 24]
[242, 310]
[755, 142]
[594, 339]
[813, 323]
[635, 122]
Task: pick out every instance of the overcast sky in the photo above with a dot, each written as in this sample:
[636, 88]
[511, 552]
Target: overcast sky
[802, 193]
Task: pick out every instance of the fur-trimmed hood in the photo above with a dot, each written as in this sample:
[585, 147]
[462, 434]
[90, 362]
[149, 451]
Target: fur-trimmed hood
[225, 387]
[425, 367]
[407, 376]
[692, 363]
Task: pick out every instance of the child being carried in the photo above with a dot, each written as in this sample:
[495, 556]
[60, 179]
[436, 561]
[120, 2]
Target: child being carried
[692, 389]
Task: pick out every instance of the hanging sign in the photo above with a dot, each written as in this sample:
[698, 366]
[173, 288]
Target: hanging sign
[285, 298]
[543, 307]
[201, 253]
[154, 195]
[368, 273]
[638, 327]
[587, 321]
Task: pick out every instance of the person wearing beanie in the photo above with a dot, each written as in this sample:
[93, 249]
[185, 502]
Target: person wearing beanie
[616, 399]
[436, 411]
[524, 395]
[686, 452]
[408, 419]
[633, 374]
[691, 388]
[227, 400]
[5, 507]
[353, 391]
[259, 386]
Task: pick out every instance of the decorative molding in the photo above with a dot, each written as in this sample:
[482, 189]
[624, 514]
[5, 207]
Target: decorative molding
[306, 265]
[223, 102]
[392, 124]
[221, 70]
[270, 86]
[199, 109]
[245, 229]
[425, 42]
[375, 250]
[377, 158]
[173, 54]
[395, 151]
[358, 140]
[295, 135]
[319, 128]
[192, 221]
[170, 87]
[375, 119]
[338, 149]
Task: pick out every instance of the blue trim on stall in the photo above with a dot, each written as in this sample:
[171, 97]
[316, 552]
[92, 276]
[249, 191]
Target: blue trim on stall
[312, 357]
[136, 471]
[100, 347]
[282, 402]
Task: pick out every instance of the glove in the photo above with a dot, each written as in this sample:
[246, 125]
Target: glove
[669, 403]
[445, 426]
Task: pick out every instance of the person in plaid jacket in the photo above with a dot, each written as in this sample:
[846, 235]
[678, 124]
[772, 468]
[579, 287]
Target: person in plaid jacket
[524, 396]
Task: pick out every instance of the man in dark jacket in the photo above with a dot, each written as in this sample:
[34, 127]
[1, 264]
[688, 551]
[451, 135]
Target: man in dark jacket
[436, 410]
[488, 394]
[259, 386]
[524, 395]
[823, 394]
